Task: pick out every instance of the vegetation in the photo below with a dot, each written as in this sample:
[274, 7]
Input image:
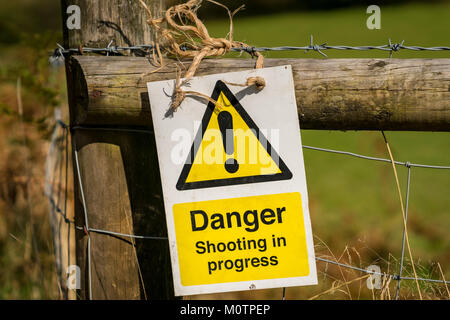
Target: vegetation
[354, 206]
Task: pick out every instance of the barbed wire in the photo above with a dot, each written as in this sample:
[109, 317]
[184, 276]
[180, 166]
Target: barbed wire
[87, 229]
[397, 277]
[406, 164]
[60, 52]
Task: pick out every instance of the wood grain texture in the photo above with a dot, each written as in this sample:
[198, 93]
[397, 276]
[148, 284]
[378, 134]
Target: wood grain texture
[332, 94]
[121, 184]
[123, 194]
[122, 21]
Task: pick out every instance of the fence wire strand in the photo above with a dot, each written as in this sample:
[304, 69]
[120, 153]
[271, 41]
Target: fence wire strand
[55, 207]
[59, 53]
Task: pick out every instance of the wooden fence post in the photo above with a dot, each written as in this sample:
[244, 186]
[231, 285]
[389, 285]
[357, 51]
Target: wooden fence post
[118, 171]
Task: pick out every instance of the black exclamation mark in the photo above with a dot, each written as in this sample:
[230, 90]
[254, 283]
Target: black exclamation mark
[226, 128]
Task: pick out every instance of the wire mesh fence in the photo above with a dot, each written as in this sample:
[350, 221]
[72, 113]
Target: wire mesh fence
[58, 204]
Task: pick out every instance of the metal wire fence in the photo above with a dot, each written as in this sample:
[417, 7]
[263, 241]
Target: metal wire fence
[60, 52]
[58, 204]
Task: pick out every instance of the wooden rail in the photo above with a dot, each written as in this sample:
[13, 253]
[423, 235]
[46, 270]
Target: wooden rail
[332, 94]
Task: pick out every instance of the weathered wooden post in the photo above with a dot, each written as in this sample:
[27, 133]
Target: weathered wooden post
[119, 171]
[331, 94]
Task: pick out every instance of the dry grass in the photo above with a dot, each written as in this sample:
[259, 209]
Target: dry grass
[26, 252]
[350, 228]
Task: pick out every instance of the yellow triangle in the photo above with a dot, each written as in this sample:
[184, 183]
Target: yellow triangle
[250, 159]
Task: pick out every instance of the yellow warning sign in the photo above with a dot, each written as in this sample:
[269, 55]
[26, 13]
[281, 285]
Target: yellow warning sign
[241, 239]
[229, 148]
[235, 193]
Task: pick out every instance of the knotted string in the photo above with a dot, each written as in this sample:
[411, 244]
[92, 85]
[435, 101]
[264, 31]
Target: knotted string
[189, 38]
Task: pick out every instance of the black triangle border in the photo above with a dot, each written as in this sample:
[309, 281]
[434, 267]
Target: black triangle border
[181, 185]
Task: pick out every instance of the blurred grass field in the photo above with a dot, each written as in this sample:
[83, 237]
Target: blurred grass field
[353, 202]
[354, 205]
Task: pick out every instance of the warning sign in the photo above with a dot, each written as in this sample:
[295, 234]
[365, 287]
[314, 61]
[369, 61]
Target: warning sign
[227, 124]
[241, 239]
[234, 184]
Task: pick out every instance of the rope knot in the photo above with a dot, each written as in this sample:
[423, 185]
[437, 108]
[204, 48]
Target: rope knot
[258, 82]
[186, 30]
[155, 22]
[218, 43]
[177, 97]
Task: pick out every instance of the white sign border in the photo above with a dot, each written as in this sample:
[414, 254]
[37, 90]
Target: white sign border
[189, 117]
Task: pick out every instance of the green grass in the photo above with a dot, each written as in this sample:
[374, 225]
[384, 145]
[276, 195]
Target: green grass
[418, 24]
[354, 202]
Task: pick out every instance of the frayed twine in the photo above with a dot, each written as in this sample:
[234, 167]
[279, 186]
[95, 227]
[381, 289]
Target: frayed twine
[189, 38]
[258, 82]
